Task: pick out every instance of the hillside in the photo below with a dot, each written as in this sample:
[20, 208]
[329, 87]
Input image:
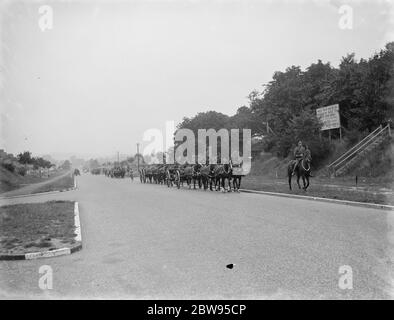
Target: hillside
[377, 166]
[11, 181]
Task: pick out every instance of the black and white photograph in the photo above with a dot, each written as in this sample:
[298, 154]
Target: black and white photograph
[222, 151]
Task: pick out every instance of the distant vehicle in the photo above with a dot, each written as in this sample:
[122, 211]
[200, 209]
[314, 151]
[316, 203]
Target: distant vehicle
[95, 171]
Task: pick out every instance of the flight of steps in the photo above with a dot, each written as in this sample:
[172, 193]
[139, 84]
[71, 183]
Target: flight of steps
[351, 158]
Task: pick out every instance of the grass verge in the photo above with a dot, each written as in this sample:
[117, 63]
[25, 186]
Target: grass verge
[65, 182]
[34, 227]
[12, 181]
[325, 188]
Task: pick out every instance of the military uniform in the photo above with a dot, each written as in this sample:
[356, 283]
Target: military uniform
[299, 152]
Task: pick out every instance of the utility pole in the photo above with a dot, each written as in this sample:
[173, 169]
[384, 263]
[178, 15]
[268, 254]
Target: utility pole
[138, 157]
[118, 159]
[174, 150]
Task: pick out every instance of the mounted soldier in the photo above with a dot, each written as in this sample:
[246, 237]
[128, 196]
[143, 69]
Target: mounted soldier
[298, 153]
[301, 165]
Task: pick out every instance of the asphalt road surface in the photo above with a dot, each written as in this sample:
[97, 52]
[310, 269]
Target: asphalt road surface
[149, 241]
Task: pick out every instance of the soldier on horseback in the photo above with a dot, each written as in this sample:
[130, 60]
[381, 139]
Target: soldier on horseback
[299, 153]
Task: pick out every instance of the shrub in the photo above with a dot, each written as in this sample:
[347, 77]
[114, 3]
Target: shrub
[21, 171]
[354, 136]
[8, 166]
[320, 150]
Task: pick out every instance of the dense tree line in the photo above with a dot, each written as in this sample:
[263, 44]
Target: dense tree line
[37, 162]
[363, 89]
[25, 158]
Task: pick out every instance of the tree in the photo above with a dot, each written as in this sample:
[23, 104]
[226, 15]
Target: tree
[204, 120]
[304, 127]
[93, 164]
[363, 89]
[39, 162]
[66, 165]
[25, 157]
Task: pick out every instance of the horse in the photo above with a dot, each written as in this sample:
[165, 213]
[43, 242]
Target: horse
[142, 175]
[148, 173]
[151, 173]
[221, 173]
[303, 170]
[161, 174]
[192, 173]
[236, 176]
[206, 175]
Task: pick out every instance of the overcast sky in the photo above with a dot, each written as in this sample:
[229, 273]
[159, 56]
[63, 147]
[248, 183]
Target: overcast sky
[108, 71]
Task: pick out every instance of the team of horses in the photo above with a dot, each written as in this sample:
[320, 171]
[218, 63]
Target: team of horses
[117, 172]
[219, 177]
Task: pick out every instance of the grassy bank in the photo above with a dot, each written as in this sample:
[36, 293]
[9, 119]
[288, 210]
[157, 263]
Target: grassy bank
[343, 189]
[64, 182]
[36, 227]
[59, 182]
[11, 181]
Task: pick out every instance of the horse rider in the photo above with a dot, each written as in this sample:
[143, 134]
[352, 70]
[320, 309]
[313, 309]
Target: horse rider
[298, 153]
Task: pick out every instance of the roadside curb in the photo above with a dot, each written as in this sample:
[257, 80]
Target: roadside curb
[42, 193]
[56, 252]
[329, 200]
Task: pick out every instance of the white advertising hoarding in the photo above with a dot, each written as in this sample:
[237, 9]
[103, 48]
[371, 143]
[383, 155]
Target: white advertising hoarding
[329, 116]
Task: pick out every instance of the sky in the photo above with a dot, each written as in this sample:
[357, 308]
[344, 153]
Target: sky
[107, 71]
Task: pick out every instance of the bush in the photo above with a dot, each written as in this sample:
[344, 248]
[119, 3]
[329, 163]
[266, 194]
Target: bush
[8, 166]
[21, 171]
[320, 150]
[353, 136]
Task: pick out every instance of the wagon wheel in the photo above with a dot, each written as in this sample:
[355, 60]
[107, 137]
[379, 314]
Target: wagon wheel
[168, 178]
[177, 179]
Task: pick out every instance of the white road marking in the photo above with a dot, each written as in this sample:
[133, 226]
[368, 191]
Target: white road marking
[77, 222]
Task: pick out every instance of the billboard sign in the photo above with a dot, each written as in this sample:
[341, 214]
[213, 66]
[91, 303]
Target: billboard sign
[329, 116]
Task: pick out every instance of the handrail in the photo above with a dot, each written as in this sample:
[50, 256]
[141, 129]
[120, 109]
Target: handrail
[354, 147]
[363, 145]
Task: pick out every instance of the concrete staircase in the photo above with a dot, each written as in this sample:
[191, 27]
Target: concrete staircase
[351, 158]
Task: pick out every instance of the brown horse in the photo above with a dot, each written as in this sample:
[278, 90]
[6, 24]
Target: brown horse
[302, 171]
[191, 173]
[207, 175]
[222, 172]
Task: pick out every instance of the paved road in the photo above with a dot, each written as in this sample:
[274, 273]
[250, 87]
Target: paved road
[148, 241]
